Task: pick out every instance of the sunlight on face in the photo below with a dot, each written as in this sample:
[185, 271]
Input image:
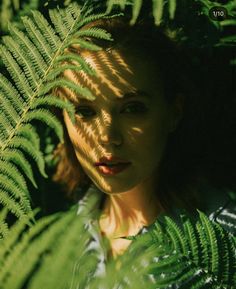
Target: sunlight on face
[127, 124]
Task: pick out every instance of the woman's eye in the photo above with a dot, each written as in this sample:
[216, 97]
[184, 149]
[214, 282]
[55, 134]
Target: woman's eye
[85, 111]
[134, 107]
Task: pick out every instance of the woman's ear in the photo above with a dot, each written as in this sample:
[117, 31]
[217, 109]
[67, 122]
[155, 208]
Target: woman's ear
[177, 111]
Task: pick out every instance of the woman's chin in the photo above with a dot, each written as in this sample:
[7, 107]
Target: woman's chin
[114, 187]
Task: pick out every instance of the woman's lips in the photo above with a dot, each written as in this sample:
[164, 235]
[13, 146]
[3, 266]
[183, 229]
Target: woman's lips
[112, 170]
[111, 166]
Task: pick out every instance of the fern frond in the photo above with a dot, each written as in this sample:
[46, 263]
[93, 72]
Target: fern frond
[20, 247]
[11, 171]
[11, 204]
[204, 258]
[60, 25]
[14, 69]
[158, 6]
[172, 8]
[84, 44]
[52, 100]
[157, 233]
[4, 229]
[81, 91]
[94, 32]
[50, 35]
[19, 55]
[25, 145]
[47, 117]
[38, 39]
[29, 132]
[224, 267]
[26, 45]
[191, 236]
[177, 236]
[10, 189]
[8, 109]
[36, 62]
[73, 228]
[18, 158]
[57, 71]
[13, 237]
[136, 10]
[5, 126]
[212, 241]
[90, 17]
[77, 59]
[112, 3]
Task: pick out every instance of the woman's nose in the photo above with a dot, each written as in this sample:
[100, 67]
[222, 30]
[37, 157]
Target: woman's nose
[109, 133]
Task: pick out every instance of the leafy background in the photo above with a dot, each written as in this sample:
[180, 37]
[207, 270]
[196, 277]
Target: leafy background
[195, 255]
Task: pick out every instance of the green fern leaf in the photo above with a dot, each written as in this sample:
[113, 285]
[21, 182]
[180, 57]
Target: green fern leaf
[78, 60]
[158, 6]
[21, 83]
[25, 145]
[228, 22]
[172, 8]
[8, 109]
[51, 100]
[62, 29]
[21, 57]
[94, 32]
[158, 233]
[19, 247]
[26, 45]
[13, 237]
[18, 158]
[29, 132]
[11, 190]
[136, 10]
[5, 126]
[112, 3]
[84, 44]
[37, 57]
[204, 258]
[190, 234]
[224, 254]
[11, 171]
[4, 229]
[47, 31]
[11, 204]
[56, 72]
[68, 258]
[83, 92]
[212, 240]
[12, 94]
[49, 119]
[93, 17]
[37, 38]
[177, 236]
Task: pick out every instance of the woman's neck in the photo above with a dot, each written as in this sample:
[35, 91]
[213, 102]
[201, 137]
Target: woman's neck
[124, 214]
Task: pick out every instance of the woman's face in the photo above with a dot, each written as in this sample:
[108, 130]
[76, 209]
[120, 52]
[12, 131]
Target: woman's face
[119, 138]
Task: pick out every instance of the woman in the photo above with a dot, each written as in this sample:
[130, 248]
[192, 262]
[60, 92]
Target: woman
[123, 141]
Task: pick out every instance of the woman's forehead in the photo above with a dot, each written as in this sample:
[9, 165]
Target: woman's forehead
[118, 76]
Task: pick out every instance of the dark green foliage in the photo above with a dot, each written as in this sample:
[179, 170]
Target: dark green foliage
[43, 254]
[53, 253]
[198, 255]
[39, 58]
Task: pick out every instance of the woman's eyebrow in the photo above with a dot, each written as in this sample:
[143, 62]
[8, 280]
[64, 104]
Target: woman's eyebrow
[125, 96]
[133, 94]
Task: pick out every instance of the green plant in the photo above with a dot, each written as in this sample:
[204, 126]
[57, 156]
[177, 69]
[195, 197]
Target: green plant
[43, 254]
[39, 58]
[57, 252]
